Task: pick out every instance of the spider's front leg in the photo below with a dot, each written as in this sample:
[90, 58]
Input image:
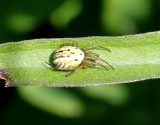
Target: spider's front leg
[94, 63]
[92, 58]
[93, 47]
[89, 52]
[70, 44]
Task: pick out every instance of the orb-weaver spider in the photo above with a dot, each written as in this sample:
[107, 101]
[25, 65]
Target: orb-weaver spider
[70, 57]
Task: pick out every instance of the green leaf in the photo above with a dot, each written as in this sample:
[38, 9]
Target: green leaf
[116, 95]
[122, 16]
[62, 16]
[53, 100]
[134, 57]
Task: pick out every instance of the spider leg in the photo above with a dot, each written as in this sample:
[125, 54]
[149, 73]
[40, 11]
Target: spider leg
[70, 44]
[92, 47]
[74, 71]
[100, 60]
[87, 51]
[98, 64]
[50, 65]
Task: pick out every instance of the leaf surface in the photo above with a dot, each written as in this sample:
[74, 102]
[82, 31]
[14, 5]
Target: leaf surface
[134, 57]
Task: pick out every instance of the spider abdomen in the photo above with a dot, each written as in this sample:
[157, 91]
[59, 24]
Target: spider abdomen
[68, 58]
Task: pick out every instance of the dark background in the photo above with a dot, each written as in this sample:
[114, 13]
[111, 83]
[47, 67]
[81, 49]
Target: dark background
[24, 20]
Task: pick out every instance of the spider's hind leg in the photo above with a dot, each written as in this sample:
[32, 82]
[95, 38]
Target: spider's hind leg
[74, 71]
[51, 66]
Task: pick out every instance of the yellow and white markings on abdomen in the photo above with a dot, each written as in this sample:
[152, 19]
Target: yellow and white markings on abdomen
[68, 58]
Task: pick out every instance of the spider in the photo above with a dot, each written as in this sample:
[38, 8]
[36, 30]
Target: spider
[70, 57]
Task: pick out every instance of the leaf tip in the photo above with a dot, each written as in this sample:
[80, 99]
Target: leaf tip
[5, 75]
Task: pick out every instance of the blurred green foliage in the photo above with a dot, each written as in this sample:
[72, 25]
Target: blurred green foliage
[126, 104]
[121, 16]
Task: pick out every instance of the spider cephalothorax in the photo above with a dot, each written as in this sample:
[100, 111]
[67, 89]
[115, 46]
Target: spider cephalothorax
[70, 57]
